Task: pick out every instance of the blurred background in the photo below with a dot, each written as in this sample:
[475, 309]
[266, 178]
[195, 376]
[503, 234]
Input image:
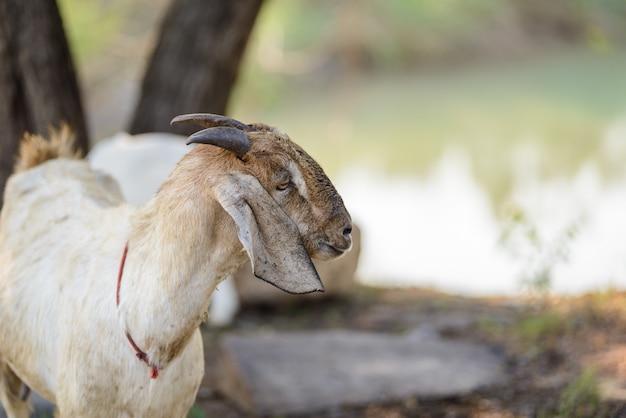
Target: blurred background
[479, 144]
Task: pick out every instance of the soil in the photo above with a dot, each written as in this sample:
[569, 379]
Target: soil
[565, 357]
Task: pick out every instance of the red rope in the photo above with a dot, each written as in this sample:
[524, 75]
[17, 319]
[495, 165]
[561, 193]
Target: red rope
[119, 275]
[154, 371]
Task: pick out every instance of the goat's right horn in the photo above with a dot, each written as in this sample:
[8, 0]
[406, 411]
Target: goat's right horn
[231, 139]
[209, 120]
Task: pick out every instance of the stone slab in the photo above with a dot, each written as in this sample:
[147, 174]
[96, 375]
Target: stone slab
[41, 407]
[308, 372]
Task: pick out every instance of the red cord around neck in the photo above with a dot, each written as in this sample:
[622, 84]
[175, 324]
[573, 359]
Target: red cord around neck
[154, 371]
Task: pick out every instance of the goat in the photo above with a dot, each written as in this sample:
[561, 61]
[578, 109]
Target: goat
[88, 282]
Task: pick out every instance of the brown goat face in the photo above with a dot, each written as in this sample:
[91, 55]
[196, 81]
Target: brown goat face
[284, 207]
[301, 188]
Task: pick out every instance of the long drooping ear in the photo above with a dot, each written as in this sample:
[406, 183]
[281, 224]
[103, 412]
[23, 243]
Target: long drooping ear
[270, 237]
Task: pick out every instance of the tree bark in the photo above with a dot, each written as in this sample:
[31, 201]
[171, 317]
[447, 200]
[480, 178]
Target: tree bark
[38, 86]
[195, 63]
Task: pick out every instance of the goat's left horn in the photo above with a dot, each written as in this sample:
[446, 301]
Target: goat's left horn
[231, 139]
[209, 120]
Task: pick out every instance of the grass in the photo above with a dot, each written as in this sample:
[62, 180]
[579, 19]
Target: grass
[89, 25]
[533, 334]
[196, 412]
[546, 320]
[538, 328]
[557, 326]
[580, 398]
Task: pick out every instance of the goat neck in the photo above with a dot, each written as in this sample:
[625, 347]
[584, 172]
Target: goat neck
[181, 245]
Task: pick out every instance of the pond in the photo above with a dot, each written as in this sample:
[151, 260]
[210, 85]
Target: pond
[443, 230]
[486, 178]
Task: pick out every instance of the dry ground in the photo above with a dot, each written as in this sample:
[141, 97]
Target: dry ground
[562, 353]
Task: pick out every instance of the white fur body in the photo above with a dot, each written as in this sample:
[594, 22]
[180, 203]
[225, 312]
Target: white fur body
[48, 246]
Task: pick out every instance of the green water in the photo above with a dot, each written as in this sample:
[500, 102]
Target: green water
[561, 104]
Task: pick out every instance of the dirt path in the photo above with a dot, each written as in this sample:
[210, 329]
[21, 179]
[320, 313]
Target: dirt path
[560, 352]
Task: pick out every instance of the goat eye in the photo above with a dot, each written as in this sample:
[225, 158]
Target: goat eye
[283, 186]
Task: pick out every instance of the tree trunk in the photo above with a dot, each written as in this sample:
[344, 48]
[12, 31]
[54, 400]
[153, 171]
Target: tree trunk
[195, 63]
[38, 86]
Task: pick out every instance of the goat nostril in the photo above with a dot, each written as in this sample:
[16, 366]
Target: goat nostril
[347, 231]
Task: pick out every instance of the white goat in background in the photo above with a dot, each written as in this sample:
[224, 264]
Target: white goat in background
[87, 282]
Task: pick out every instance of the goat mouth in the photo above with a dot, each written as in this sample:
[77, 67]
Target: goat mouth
[327, 251]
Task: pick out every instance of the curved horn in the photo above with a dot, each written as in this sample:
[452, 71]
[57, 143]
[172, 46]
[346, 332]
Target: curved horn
[209, 120]
[231, 139]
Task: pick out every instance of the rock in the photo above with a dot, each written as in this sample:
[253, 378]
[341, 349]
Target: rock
[309, 372]
[41, 407]
[337, 276]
